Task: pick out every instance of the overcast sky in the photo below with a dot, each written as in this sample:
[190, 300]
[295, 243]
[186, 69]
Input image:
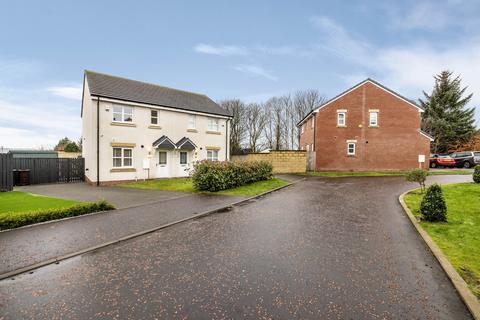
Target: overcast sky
[248, 49]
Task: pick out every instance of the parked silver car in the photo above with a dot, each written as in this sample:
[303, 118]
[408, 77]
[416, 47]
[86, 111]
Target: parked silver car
[466, 159]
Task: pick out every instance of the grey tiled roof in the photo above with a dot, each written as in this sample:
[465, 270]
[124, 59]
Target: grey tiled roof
[108, 86]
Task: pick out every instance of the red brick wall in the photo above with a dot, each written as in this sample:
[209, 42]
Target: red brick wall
[394, 145]
[306, 138]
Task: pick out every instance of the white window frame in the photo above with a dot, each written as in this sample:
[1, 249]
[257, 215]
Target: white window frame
[308, 147]
[186, 158]
[122, 113]
[166, 158]
[213, 124]
[349, 153]
[311, 147]
[303, 127]
[192, 121]
[122, 157]
[373, 116]
[157, 117]
[339, 123]
[212, 154]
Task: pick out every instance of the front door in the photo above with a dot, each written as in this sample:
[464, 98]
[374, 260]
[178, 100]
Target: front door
[184, 162]
[163, 164]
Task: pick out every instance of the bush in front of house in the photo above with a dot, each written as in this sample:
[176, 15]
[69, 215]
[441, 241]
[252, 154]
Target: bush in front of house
[433, 207]
[476, 174]
[221, 175]
[10, 220]
[419, 176]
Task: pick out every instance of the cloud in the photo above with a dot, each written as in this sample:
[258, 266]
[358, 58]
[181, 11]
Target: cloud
[26, 139]
[69, 92]
[221, 50]
[35, 121]
[256, 71]
[339, 42]
[408, 68]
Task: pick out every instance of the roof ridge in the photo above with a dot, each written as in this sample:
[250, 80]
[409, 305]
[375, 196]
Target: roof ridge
[147, 83]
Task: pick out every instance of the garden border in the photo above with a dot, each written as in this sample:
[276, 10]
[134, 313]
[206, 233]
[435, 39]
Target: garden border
[57, 260]
[462, 288]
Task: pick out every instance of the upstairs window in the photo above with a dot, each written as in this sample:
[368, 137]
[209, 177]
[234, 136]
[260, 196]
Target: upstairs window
[122, 113]
[192, 121]
[341, 119]
[213, 124]
[303, 127]
[153, 116]
[373, 118]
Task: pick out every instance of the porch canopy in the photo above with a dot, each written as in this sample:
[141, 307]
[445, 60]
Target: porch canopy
[186, 144]
[164, 142]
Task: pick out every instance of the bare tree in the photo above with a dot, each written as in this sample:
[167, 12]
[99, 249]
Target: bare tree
[256, 119]
[274, 130]
[303, 102]
[238, 125]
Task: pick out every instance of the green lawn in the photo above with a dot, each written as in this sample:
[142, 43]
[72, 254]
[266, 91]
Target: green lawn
[335, 174]
[174, 184]
[16, 201]
[185, 185]
[459, 238]
[20, 208]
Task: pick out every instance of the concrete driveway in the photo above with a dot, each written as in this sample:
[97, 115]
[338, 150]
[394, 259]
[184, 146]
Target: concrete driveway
[322, 249]
[119, 197]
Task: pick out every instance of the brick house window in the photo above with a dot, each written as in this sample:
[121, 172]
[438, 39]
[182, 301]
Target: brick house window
[341, 119]
[373, 119]
[313, 122]
[308, 147]
[351, 148]
[303, 127]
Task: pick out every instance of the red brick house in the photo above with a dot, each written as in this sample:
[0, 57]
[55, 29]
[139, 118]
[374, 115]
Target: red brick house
[368, 127]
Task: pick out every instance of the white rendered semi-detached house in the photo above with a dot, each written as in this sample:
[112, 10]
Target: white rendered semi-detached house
[136, 130]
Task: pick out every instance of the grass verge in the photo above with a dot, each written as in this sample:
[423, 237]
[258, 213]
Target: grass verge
[20, 208]
[185, 185]
[459, 238]
[336, 174]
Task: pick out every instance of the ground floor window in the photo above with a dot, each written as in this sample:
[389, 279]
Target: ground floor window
[183, 157]
[122, 157]
[162, 157]
[351, 148]
[212, 155]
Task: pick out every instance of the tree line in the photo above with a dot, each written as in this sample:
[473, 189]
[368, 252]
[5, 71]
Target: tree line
[273, 124]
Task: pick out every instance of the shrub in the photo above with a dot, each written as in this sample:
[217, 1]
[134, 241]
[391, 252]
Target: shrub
[476, 174]
[419, 176]
[433, 207]
[9, 220]
[214, 175]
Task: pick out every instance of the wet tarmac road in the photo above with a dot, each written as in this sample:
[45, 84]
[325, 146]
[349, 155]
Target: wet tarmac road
[323, 248]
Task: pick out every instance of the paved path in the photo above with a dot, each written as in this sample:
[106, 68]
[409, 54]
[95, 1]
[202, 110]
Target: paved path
[119, 197]
[26, 246]
[322, 249]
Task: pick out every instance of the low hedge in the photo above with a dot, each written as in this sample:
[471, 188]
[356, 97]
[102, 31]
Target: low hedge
[10, 220]
[221, 175]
